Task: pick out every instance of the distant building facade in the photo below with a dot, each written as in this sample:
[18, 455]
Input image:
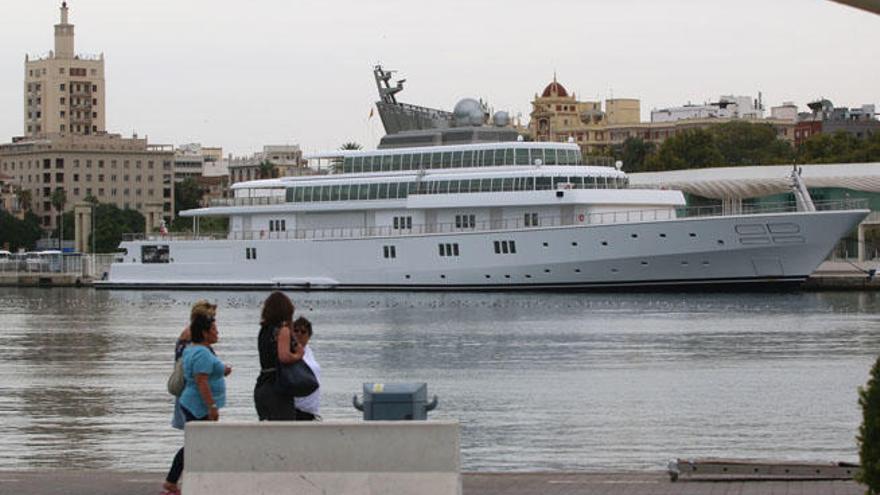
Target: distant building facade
[194, 160]
[284, 160]
[726, 108]
[824, 117]
[559, 116]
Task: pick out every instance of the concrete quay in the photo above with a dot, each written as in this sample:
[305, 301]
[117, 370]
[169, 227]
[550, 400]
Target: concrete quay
[556, 483]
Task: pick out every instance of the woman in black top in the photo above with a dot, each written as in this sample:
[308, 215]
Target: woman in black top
[276, 345]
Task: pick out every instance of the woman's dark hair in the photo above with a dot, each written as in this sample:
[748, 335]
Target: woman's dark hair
[277, 309]
[303, 323]
[200, 326]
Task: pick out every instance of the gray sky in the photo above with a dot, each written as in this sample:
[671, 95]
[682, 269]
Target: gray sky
[247, 73]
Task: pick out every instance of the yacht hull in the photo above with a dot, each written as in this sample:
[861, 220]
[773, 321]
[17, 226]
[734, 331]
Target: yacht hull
[776, 251]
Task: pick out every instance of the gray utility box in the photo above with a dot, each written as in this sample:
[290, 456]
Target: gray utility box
[395, 401]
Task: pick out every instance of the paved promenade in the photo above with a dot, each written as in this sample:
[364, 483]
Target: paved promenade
[115, 483]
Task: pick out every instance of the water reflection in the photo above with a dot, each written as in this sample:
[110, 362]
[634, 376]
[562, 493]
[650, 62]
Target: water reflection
[558, 381]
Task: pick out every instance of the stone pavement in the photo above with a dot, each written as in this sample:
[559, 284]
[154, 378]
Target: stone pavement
[648, 483]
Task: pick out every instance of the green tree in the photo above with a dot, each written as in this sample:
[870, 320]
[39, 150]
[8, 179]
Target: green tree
[746, 143]
[59, 199]
[869, 433]
[839, 147]
[694, 148]
[19, 234]
[187, 195]
[633, 152]
[110, 225]
[351, 145]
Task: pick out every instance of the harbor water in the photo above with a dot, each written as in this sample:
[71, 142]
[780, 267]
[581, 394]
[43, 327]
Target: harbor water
[540, 382]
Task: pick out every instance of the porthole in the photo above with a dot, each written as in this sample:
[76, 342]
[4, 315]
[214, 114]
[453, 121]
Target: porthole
[547, 270]
[604, 243]
[488, 276]
[662, 235]
[528, 276]
[644, 263]
[507, 276]
[574, 244]
[577, 270]
[546, 244]
[614, 270]
[705, 263]
[692, 234]
[442, 276]
[684, 263]
[634, 236]
[720, 242]
[407, 276]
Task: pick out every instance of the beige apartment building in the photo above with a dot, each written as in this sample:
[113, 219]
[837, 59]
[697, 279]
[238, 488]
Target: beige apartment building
[126, 172]
[285, 160]
[66, 146]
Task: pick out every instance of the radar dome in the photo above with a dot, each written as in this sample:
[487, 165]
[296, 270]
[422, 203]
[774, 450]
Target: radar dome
[501, 119]
[468, 112]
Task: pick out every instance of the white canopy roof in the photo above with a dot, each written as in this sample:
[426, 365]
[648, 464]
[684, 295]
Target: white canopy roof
[757, 181]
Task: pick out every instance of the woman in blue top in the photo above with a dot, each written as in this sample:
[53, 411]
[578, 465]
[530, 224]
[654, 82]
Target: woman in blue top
[204, 392]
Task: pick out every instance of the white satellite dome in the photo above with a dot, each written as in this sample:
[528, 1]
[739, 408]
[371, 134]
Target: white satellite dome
[468, 112]
[501, 119]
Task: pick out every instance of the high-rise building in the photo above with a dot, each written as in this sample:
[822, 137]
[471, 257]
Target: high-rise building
[64, 91]
[66, 148]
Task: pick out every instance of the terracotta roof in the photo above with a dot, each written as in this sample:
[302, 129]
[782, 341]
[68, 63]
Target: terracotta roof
[554, 89]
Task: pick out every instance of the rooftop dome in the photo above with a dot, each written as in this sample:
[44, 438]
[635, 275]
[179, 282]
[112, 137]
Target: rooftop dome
[554, 89]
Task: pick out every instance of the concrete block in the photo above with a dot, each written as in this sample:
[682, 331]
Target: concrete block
[330, 457]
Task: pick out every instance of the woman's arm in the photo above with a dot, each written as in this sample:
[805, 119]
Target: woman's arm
[284, 354]
[205, 392]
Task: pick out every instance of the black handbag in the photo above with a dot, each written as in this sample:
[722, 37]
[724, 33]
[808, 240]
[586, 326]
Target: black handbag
[295, 379]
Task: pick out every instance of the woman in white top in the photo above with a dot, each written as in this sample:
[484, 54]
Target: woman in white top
[307, 408]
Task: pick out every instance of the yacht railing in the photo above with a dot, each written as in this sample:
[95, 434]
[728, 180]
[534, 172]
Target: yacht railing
[253, 201]
[611, 217]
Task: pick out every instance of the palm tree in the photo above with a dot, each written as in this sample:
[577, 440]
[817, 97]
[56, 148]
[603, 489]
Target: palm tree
[24, 198]
[336, 164]
[267, 169]
[59, 198]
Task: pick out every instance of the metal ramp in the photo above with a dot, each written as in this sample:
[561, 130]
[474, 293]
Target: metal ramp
[758, 470]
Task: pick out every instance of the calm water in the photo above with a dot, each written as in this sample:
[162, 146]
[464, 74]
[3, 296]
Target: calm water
[539, 382]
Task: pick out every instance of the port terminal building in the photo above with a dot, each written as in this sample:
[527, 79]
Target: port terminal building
[740, 189]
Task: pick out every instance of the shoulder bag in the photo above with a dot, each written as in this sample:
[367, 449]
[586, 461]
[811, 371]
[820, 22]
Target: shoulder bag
[295, 379]
[175, 381]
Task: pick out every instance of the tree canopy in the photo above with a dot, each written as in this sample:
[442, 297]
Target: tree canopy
[19, 234]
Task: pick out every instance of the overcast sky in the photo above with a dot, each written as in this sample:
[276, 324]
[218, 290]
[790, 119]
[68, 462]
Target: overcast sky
[248, 73]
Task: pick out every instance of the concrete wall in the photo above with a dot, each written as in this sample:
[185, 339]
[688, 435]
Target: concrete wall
[350, 457]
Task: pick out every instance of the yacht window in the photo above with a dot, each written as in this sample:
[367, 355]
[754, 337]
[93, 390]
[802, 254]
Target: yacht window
[443, 187]
[530, 183]
[436, 160]
[543, 183]
[531, 220]
[283, 225]
[522, 156]
[368, 164]
[386, 163]
[497, 247]
[334, 193]
[456, 159]
[487, 158]
[573, 157]
[499, 157]
[467, 159]
[447, 160]
[364, 191]
[347, 164]
[496, 184]
[508, 184]
[374, 191]
[395, 162]
[455, 249]
[383, 191]
[424, 160]
[344, 192]
[550, 157]
[358, 164]
[155, 254]
[537, 154]
[485, 185]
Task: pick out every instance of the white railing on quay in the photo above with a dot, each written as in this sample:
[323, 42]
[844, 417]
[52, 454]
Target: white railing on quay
[611, 217]
[88, 266]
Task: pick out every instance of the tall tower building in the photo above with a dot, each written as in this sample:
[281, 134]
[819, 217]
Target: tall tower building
[64, 91]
